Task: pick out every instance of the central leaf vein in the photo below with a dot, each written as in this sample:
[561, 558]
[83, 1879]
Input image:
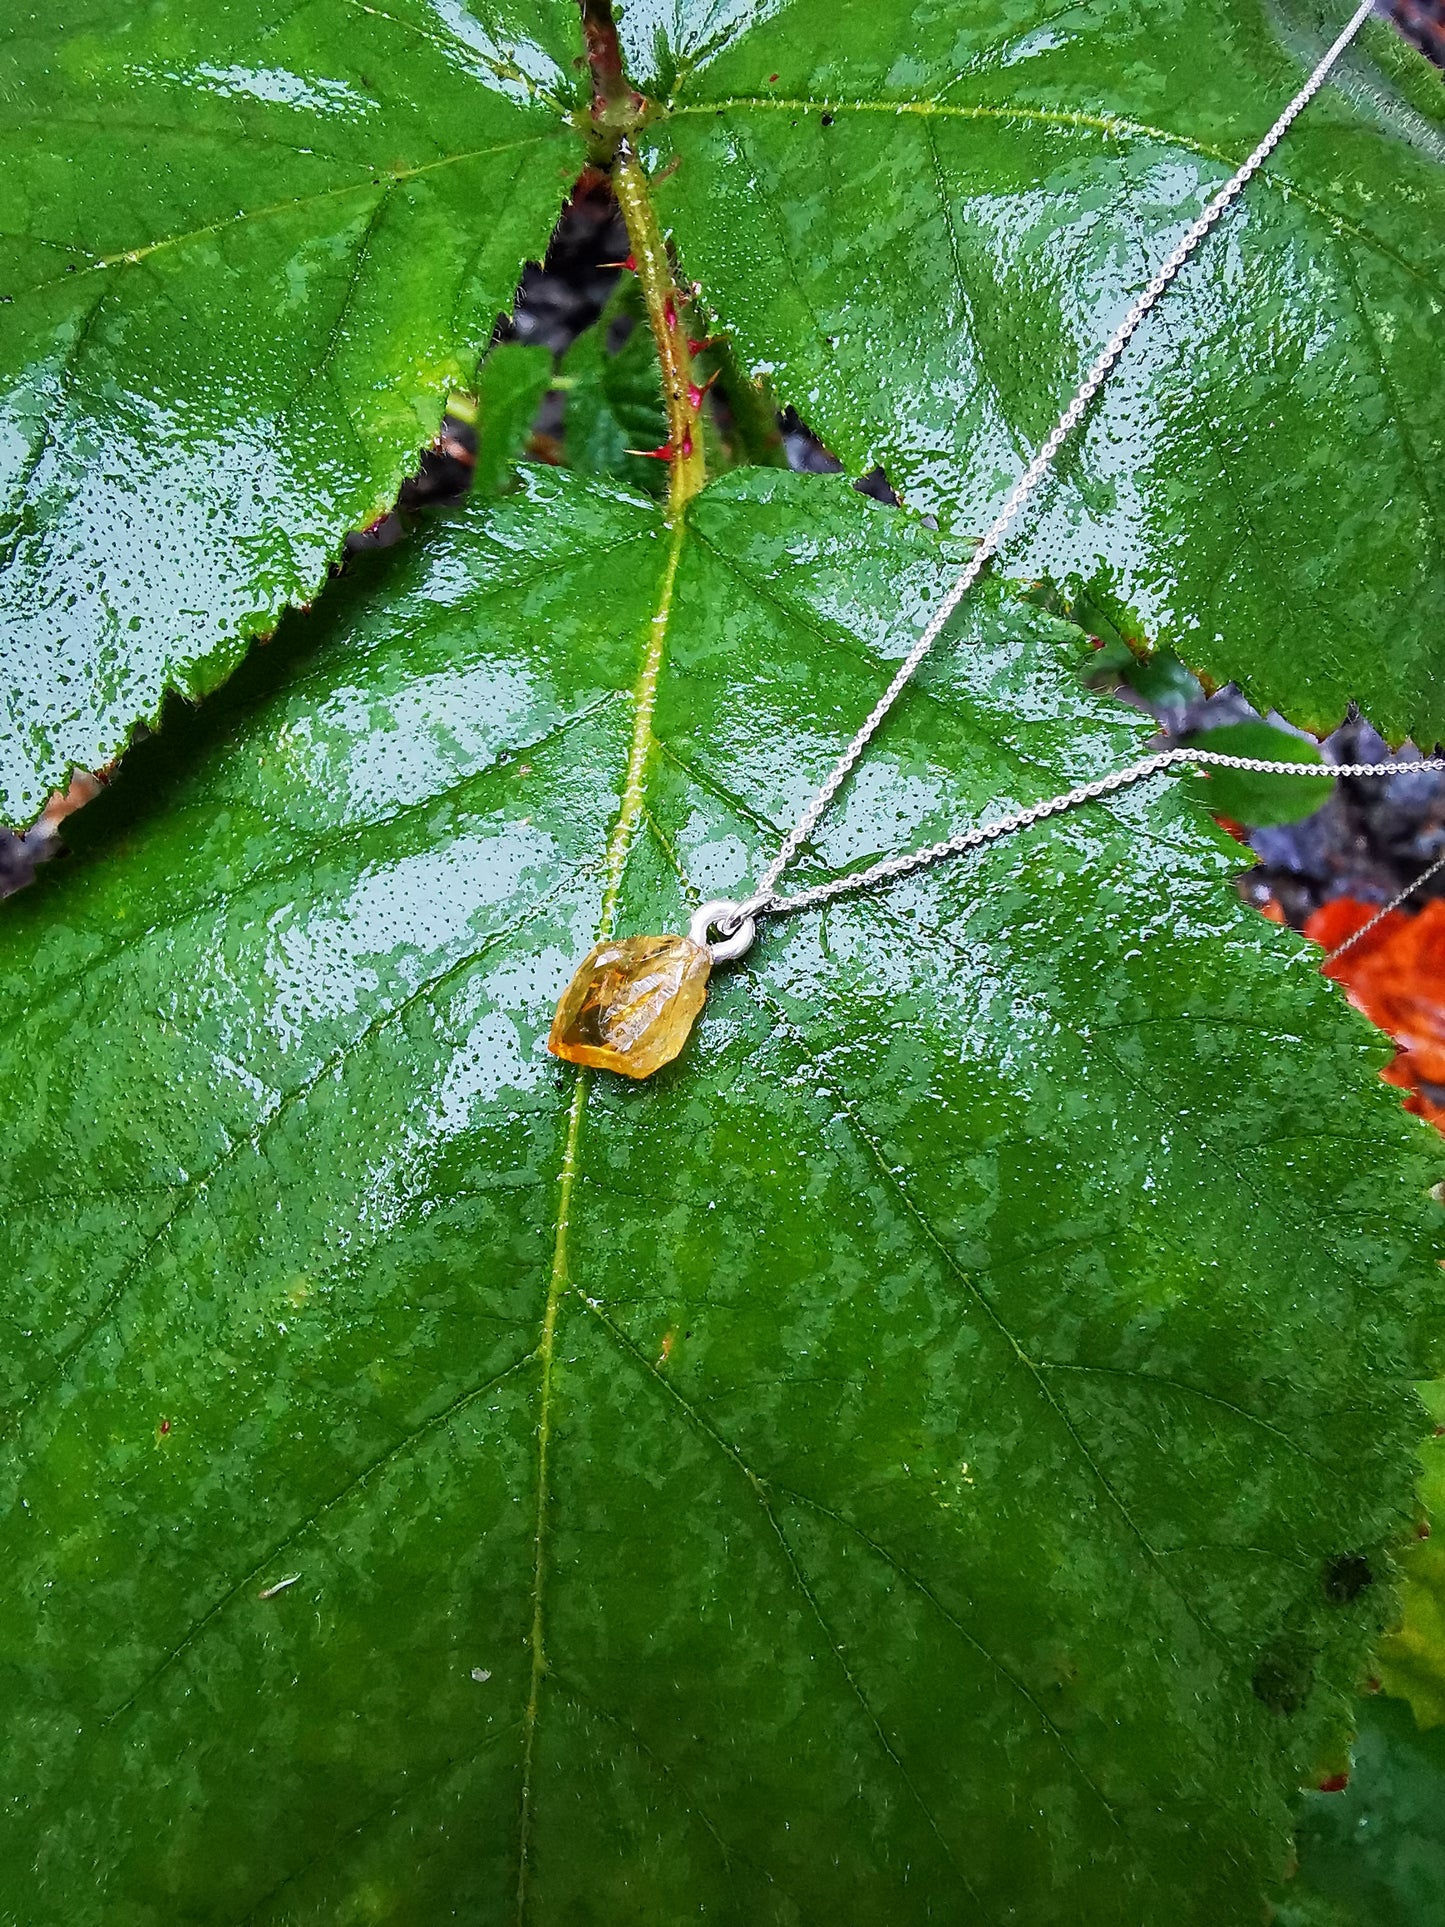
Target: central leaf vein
[630, 813]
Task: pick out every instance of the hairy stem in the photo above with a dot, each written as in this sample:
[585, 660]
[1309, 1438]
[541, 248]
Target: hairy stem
[681, 394]
[615, 106]
[617, 111]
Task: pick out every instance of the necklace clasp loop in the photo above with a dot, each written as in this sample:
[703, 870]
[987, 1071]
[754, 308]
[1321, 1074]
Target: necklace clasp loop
[736, 931]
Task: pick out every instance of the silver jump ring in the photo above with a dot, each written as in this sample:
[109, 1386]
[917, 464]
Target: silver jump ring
[738, 931]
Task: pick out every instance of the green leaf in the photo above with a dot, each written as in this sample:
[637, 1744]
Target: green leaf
[1373, 1855]
[1413, 1661]
[614, 403]
[897, 1465]
[245, 253]
[614, 400]
[1122, 652]
[1259, 799]
[241, 267]
[514, 379]
[922, 224]
[1161, 678]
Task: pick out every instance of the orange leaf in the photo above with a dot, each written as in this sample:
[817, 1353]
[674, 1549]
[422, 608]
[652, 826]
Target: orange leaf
[1396, 977]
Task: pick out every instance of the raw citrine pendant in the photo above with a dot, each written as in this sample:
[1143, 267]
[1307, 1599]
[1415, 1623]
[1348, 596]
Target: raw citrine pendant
[632, 1004]
[634, 1000]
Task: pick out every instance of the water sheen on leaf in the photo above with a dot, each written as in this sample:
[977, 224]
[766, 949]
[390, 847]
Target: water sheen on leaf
[241, 266]
[893, 1467]
[246, 251]
[923, 222]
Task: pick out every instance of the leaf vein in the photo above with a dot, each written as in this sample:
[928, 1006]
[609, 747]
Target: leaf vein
[761, 1490]
[397, 1449]
[1113, 125]
[195, 1188]
[127, 257]
[630, 809]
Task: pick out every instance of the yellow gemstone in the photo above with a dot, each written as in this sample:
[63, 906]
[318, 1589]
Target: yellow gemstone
[631, 1004]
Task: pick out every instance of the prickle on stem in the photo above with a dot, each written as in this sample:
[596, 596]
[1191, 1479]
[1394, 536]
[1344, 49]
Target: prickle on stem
[696, 393]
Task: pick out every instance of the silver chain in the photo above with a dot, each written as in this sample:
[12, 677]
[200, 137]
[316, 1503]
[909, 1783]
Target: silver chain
[765, 900]
[899, 866]
[737, 921]
[1401, 897]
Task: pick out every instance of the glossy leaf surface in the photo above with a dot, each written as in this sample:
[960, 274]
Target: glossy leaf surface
[923, 222]
[928, 1455]
[245, 252]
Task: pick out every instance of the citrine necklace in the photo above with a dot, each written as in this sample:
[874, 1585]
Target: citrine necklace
[634, 1000]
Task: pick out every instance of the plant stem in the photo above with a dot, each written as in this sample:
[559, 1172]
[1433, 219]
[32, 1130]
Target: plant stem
[681, 395]
[615, 107]
[617, 111]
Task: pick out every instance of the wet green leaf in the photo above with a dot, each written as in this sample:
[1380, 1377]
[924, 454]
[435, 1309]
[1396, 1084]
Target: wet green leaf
[923, 222]
[1373, 1854]
[245, 253]
[510, 389]
[614, 403]
[930, 1455]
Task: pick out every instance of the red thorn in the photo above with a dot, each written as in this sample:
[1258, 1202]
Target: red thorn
[165, 1426]
[696, 347]
[695, 395]
[771, 79]
[663, 454]
[630, 264]
[686, 451]
[669, 313]
[1336, 1783]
